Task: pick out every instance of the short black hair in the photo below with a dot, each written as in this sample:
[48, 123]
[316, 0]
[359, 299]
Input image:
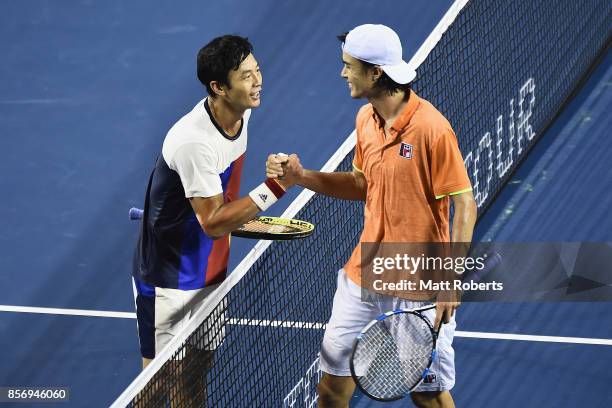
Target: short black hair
[220, 56]
[384, 83]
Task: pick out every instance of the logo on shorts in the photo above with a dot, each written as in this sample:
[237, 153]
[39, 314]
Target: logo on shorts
[430, 378]
[264, 197]
[405, 150]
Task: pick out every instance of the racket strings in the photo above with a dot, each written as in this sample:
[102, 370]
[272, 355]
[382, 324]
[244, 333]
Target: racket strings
[263, 227]
[392, 355]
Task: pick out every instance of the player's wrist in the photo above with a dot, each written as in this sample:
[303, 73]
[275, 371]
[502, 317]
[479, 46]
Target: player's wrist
[299, 177]
[283, 183]
[267, 193]
[448, 297]
[278, 182]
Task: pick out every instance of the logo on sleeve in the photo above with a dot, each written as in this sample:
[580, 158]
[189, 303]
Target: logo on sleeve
[405, 150]
[264, 197]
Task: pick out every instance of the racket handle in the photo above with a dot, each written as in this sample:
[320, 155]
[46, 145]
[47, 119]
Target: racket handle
[135, 213]
[491, 261]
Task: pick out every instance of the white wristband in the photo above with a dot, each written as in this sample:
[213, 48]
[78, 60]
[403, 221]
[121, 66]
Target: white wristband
[263, 196]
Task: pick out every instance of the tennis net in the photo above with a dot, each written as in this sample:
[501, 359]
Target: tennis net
[500, 71]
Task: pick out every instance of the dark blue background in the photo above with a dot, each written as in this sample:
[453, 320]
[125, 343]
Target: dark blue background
[89, 89]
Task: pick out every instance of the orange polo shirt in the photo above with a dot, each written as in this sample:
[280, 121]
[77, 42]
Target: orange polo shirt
[410, 175]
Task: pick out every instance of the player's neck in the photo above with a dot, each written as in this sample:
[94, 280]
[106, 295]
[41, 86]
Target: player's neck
[389, 106]
[225, 115]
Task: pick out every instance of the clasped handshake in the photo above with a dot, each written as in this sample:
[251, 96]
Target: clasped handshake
[285, 169]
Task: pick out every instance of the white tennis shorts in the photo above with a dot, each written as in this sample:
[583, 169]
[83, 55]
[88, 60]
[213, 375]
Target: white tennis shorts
[173, 310]
[350, 314]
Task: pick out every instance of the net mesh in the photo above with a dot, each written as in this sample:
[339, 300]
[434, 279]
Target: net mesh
[500, 74]
[269, 324]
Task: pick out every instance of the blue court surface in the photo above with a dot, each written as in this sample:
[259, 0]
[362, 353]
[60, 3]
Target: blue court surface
[87, 92]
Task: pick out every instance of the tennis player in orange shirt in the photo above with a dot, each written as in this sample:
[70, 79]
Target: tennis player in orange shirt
[407, 167]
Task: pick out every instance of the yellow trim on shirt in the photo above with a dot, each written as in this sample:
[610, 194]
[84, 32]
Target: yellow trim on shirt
[453, 193]
[357, 168]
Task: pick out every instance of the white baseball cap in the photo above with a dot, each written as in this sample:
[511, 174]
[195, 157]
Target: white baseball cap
[379, 45]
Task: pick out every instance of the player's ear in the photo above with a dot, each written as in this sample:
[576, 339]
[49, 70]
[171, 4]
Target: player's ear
[376, 73]
[217, 88]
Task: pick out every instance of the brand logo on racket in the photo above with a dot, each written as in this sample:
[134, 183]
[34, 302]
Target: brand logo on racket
[405, 150]
[263, 197]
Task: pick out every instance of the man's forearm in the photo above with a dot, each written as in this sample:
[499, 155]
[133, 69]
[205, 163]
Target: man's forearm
[463, 223]
[232, 215]
[219, 219]
[344, 185]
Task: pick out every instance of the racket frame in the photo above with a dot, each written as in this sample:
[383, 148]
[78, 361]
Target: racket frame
[305, 228]
[434, 335]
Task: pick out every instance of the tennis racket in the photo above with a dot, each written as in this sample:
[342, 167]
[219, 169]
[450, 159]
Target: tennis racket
[271, 228]
[393, 353]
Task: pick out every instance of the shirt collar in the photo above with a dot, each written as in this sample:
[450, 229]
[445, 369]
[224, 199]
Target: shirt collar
[218, 126]
[404, 117]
